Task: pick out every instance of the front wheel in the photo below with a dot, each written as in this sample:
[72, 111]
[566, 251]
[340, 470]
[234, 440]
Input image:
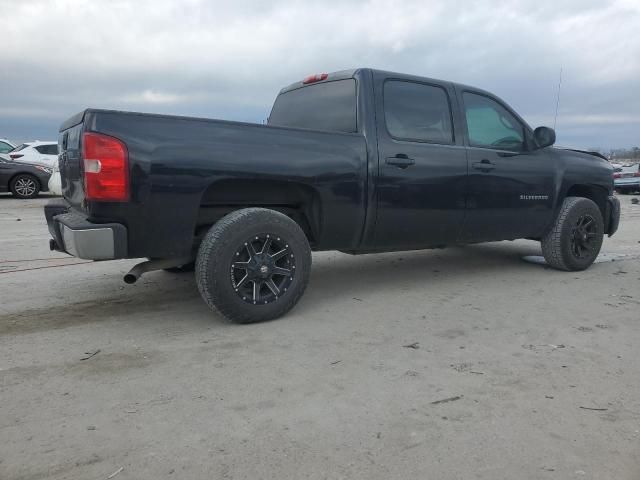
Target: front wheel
[574, 241]
[253, 265]
[25, 186]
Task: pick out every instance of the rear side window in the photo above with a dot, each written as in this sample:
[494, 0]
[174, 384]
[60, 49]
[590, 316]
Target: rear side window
[417, 112]
[47, 149]
[329, 106]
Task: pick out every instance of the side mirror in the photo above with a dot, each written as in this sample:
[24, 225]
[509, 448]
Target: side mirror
[544, 137]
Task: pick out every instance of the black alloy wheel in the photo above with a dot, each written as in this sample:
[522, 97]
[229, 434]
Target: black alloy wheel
[584, 237]
[263, 269]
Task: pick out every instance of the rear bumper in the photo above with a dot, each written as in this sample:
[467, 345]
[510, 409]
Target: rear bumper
[74, 234]
[627, 183]
[613, 215]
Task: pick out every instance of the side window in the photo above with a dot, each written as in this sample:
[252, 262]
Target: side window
[490, 125]
[417, 112]
[47, 149]
[5, 147]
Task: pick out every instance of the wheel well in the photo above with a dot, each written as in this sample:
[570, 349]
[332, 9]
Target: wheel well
[597, 194]
[297, 201]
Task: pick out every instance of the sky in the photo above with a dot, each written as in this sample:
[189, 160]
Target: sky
[229, 59]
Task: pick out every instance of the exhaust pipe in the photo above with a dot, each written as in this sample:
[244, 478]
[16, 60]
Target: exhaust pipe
[150, 265]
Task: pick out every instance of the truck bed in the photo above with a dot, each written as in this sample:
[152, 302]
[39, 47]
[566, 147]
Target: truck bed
[185, 172]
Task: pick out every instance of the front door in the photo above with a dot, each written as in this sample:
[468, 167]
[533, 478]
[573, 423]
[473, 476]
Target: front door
[422, 166]
[510, 185]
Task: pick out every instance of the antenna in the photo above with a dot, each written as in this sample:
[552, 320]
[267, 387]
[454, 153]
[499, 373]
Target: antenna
[555, 119]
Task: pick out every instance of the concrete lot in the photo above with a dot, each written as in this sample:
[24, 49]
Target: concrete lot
[545, 363]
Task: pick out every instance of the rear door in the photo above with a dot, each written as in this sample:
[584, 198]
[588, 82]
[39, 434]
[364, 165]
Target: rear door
[422, 166]
[510, 185]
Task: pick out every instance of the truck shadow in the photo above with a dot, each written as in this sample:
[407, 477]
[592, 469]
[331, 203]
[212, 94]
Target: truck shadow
[165, 298]
[342, 276]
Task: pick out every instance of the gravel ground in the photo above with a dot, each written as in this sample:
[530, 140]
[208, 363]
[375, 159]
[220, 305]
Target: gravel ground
[517, 371]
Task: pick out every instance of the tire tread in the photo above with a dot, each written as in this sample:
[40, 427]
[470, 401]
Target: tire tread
[211, 247]
[552, 241]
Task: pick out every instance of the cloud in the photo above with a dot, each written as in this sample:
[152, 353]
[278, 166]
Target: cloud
[230, 59]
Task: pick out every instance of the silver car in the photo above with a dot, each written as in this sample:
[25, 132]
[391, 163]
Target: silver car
[627, 179]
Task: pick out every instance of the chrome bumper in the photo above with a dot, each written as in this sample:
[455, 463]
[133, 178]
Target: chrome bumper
[92, 244]
[73, 234]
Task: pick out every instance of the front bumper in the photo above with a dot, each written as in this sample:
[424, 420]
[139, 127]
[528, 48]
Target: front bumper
[74, 234]
[613, 215]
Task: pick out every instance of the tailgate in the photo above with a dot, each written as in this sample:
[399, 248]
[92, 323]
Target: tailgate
[69, 160]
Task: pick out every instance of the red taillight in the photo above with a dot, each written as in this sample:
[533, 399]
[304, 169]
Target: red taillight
[316, 78]
[16, 155]
[637, 174]
[106, 168]
[617, 175]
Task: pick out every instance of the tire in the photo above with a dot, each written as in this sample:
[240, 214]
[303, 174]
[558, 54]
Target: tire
[574, 241]
[24, 186]
[257, 246]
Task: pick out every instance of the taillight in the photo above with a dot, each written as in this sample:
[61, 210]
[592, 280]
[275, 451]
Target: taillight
[616, 175]
[106, 168]
[315, 78]
[16, 155]
[637, 174]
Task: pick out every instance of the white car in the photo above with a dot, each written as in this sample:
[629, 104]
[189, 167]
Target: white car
[36, 153]
[6, 146]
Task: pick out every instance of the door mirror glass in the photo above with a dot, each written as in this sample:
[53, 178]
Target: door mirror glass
[544, 137]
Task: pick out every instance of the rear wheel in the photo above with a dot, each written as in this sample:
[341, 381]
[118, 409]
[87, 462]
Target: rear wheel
[574, 241]
[253, 265]
[24, 186]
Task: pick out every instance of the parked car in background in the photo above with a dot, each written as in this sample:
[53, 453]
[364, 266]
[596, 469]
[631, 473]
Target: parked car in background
[23, 180]
[6, 146]
[627, 179]
[36, 153]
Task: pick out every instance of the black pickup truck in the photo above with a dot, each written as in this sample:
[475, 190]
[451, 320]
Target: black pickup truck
[359, 161]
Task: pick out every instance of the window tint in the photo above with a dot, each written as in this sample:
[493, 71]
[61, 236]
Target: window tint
[5, 147]
[327, 106]
[491, 125]
[47, 149]
[418, 112]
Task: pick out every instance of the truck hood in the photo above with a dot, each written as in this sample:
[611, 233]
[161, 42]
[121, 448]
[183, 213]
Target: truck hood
[588, 152]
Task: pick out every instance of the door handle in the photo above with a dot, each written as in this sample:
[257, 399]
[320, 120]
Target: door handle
[400, 160]
[484, 165]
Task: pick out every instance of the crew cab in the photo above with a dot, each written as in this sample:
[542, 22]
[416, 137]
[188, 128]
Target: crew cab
[360, 161]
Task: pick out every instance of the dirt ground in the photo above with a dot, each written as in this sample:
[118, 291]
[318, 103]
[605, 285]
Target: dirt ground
[517, 371]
